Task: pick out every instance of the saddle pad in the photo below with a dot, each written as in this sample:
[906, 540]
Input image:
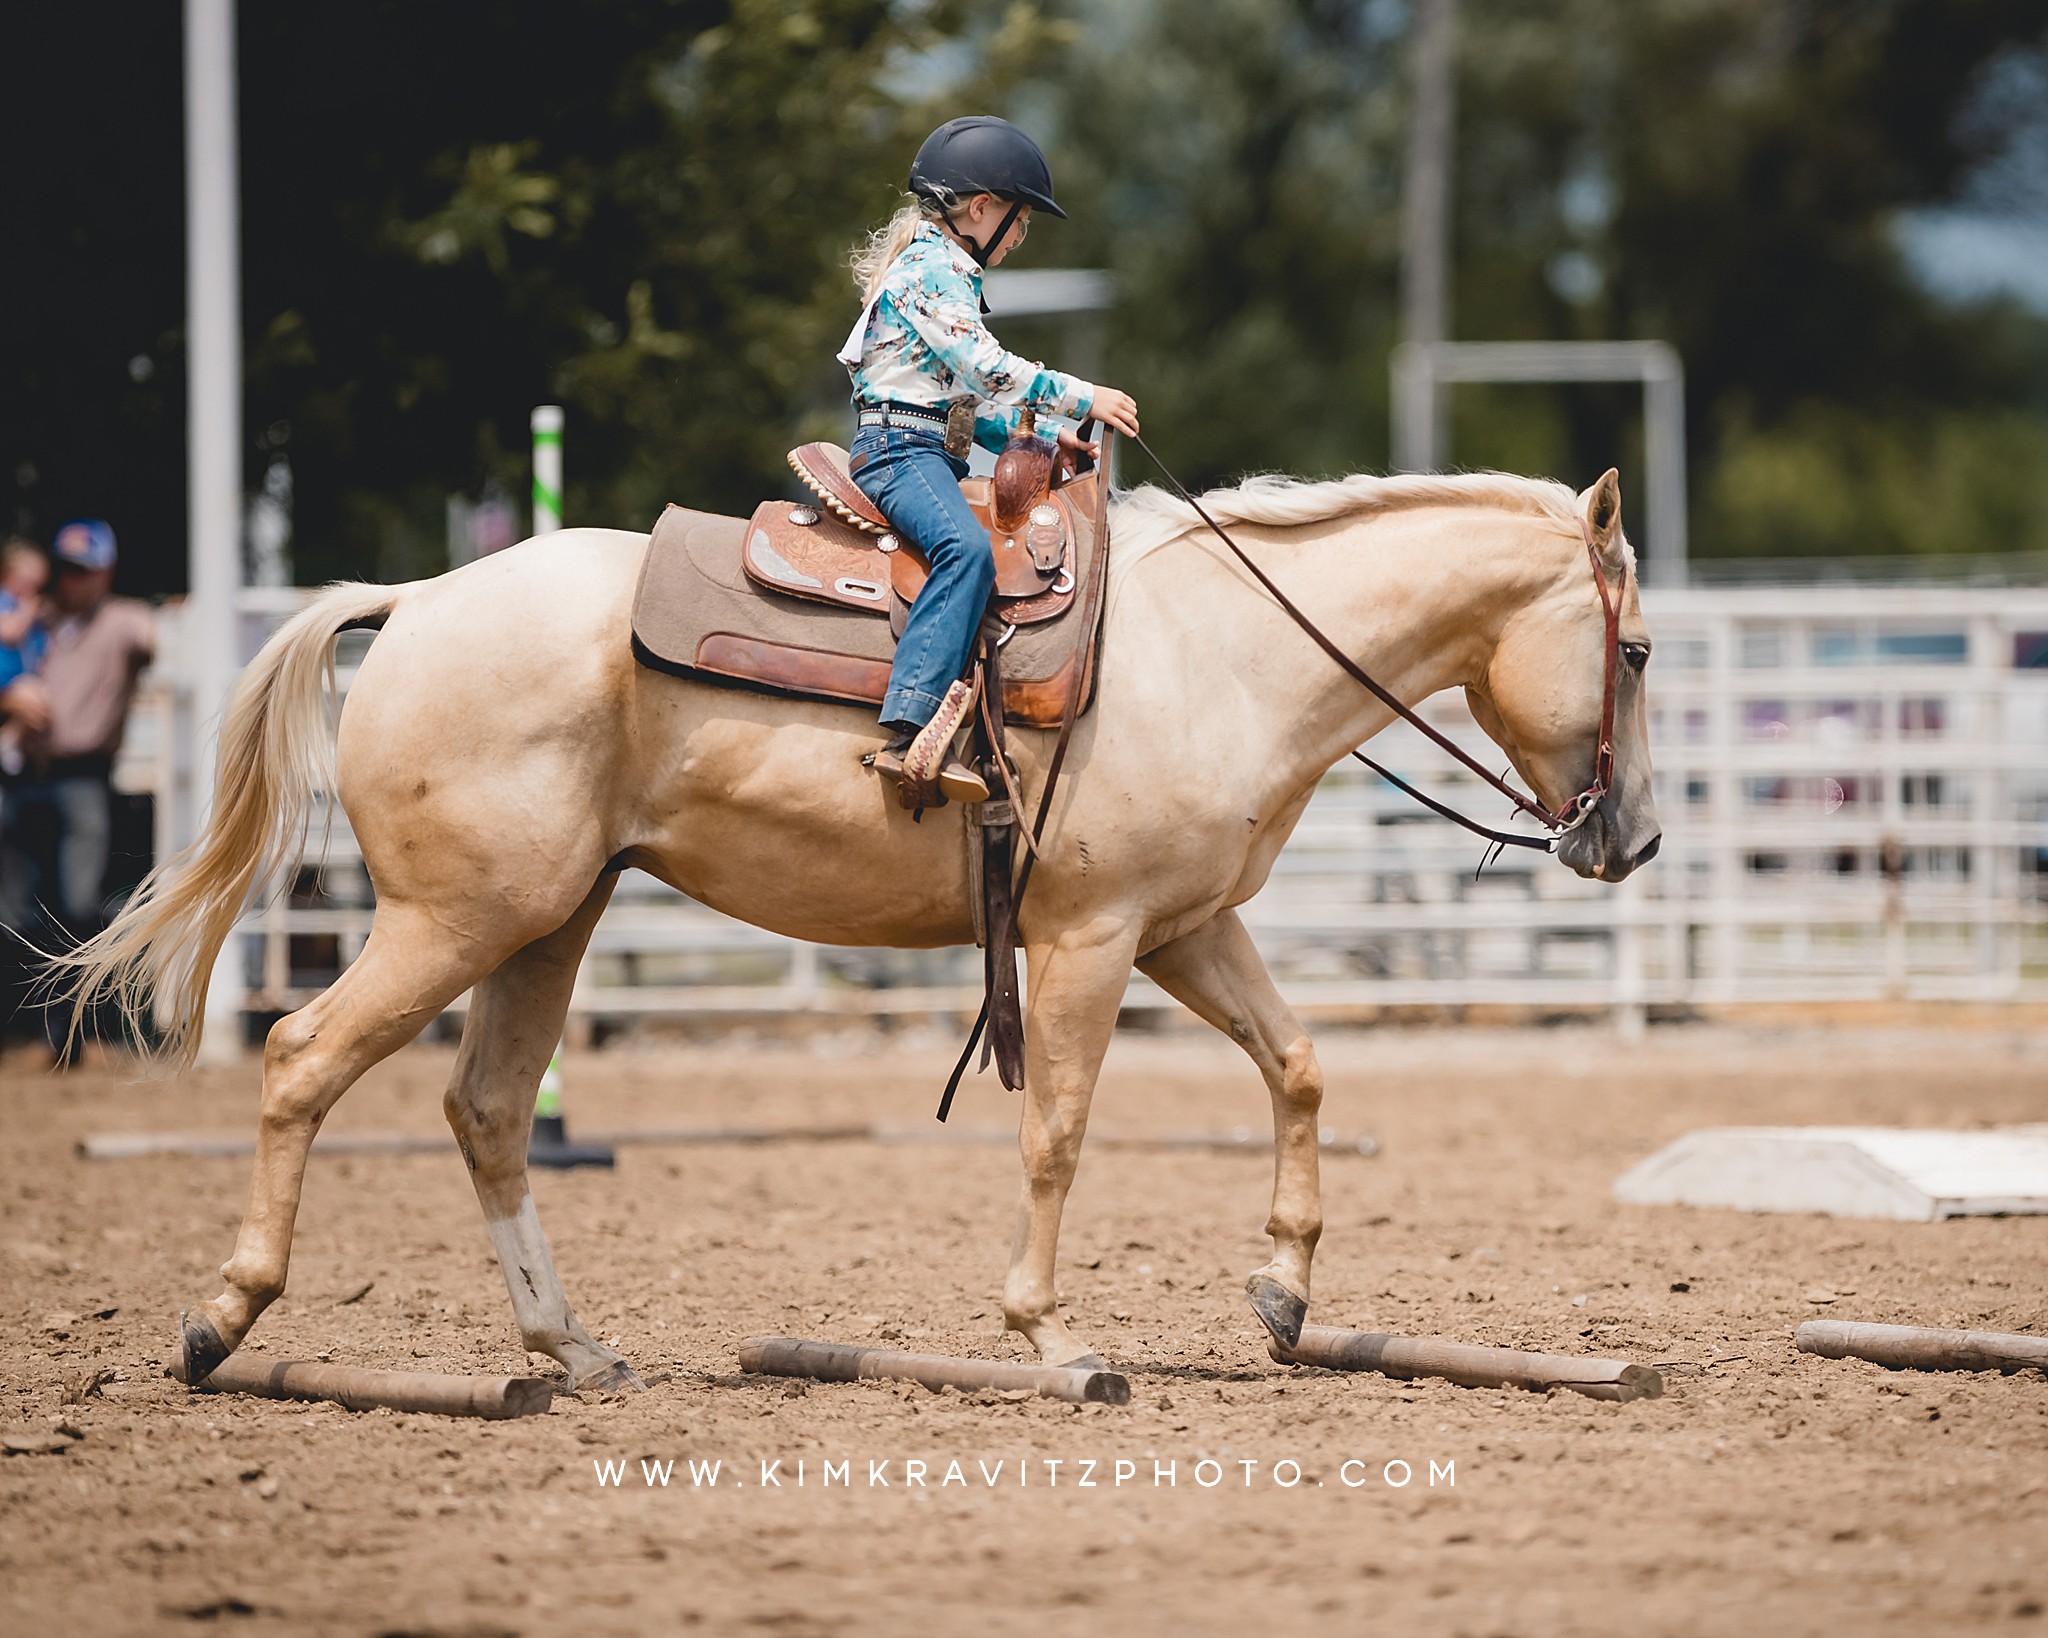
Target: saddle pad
[809, 553]
[697, 615]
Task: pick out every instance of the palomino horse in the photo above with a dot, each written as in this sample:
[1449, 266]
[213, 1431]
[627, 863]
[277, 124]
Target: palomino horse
[501, 757]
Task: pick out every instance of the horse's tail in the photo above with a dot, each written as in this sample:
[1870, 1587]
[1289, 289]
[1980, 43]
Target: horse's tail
[275, 755]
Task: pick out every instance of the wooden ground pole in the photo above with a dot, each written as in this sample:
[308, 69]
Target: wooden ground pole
[1908, 1347]
[1468, 1365]
[847, 1362]
[493, 1397]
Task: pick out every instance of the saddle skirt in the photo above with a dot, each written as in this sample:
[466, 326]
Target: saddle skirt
[808, 600]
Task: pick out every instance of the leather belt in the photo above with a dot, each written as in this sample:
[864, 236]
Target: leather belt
[882, 415]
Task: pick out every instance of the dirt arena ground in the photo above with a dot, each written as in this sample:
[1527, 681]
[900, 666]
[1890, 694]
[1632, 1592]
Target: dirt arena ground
[1765, 1492]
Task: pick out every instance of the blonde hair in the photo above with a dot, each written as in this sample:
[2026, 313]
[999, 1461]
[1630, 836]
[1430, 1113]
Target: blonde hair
[870, 258]
[17, 547]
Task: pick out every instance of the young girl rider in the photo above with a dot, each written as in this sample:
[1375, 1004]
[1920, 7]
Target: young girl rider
[927, 378]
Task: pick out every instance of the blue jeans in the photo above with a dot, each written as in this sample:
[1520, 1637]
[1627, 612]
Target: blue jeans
[909, 475]
[55, 837]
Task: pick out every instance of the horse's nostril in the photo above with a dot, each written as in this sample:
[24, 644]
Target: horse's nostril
[1649, 850]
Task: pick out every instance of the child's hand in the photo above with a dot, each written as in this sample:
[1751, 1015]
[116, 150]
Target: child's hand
[1119, 409]
[1072, 446]
[15, 626]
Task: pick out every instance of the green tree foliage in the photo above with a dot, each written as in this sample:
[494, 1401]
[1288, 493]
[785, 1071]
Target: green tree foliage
[1722, 174]
[1715, 173]
[1726, 174]
[641, 208]
[1238, 163]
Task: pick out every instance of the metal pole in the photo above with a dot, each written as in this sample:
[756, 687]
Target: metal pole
[547, 468]
[1425, 240]
[1664, 435]
[213, 407]
[549, 1143]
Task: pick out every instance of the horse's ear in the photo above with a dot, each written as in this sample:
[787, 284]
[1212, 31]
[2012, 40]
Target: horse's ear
[1602, 504]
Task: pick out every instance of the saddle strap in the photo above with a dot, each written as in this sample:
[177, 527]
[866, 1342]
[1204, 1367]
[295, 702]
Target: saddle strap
[1005, 1038]
[1077, 682]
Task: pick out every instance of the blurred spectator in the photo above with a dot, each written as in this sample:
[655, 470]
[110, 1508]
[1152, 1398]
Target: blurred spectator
[58, 809]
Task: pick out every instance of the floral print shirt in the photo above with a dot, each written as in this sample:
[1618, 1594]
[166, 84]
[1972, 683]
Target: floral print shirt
[921, 341]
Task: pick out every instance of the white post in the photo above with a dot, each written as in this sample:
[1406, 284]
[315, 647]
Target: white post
[1664, 458]
[550, 1128]
[213, 329]
[1425, 237]
[547, 468]
[1629, 1012]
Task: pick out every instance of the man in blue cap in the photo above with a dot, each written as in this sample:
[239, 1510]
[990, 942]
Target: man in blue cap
[98, 646]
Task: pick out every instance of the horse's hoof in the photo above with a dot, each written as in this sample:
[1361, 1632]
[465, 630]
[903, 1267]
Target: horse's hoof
[617, 1377]
[199, 1348]
[1279, 1309]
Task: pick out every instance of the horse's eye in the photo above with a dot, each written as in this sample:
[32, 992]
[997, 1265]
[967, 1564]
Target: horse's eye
[1637, 655]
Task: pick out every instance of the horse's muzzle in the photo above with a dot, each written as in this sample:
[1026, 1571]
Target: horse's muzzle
[1594, 849]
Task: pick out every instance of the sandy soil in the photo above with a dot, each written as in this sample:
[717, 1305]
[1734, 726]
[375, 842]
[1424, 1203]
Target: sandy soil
[1765, 1491]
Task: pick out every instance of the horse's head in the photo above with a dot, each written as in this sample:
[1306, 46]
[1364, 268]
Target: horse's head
[1540, 698]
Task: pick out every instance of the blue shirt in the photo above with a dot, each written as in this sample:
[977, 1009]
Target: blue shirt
[920, 340]
[26, 659]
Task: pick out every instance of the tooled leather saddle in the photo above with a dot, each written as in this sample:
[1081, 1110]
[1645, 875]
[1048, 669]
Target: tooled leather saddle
[808, 599]
[845, 552]
[789, 601]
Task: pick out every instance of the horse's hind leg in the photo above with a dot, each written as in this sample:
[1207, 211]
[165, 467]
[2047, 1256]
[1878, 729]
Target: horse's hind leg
[411, 967]
[1216, 973]
[515, 1018]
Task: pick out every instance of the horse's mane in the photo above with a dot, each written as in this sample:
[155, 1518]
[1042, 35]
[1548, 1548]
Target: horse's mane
[1147, 518]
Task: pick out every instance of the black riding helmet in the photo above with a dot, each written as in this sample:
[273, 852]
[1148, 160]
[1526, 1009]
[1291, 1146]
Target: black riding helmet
[983, 154]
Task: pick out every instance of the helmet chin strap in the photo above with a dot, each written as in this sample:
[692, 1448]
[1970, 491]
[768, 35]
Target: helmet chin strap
[987, 248]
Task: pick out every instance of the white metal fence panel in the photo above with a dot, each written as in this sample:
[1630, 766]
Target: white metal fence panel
[1853, 784]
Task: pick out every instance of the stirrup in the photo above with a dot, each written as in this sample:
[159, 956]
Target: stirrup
[956, 779]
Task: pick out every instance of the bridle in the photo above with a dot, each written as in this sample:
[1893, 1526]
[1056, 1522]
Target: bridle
[1559, 823]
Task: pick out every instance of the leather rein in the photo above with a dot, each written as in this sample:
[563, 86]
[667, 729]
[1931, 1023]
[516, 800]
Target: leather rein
[1560, 823]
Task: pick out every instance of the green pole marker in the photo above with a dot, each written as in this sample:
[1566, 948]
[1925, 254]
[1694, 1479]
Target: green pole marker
[547, 468]
[548, 1104]
[550, 1146]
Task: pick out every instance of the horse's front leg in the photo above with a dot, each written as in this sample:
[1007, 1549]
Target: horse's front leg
[1077, 983]
[1216, 973]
